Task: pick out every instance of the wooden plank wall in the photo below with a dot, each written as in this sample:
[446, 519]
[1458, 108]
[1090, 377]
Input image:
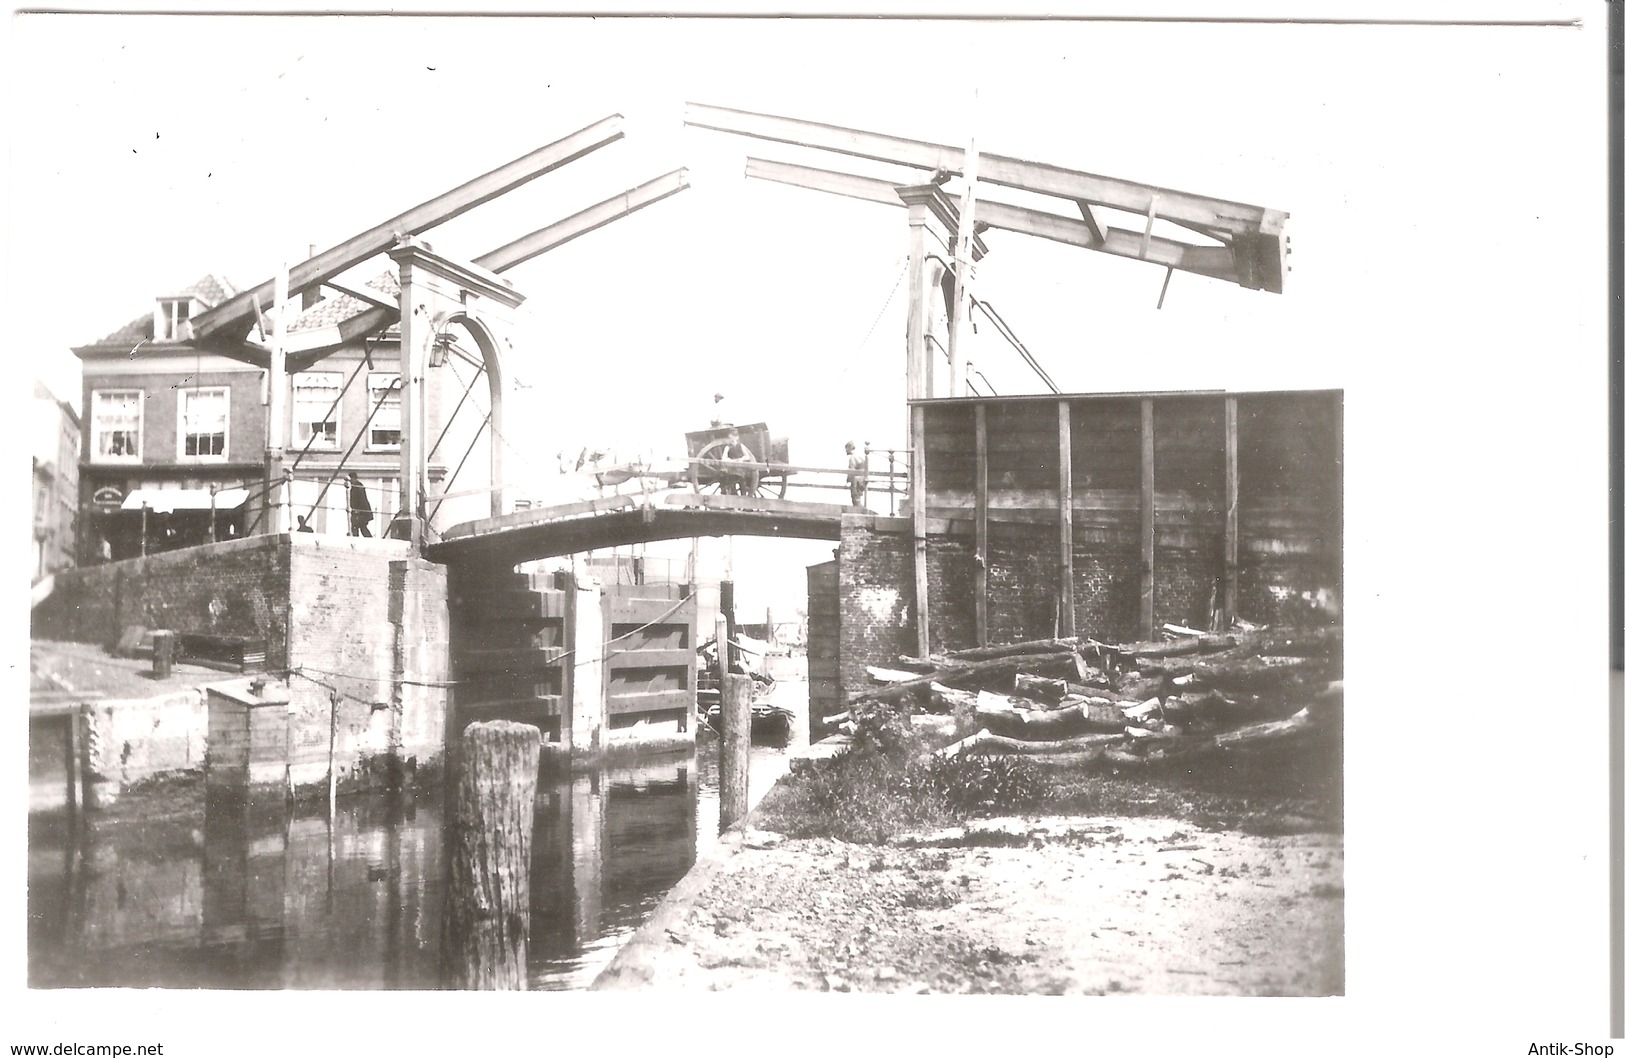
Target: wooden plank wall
[1231, 480]
[650, 665]
[509, 632]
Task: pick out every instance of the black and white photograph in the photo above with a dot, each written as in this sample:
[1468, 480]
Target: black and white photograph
[721, 503]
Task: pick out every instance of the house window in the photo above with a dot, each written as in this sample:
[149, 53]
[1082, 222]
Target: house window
[203, 415]
[315, 410]
[115, 425]
[384, 395]
[172, 322]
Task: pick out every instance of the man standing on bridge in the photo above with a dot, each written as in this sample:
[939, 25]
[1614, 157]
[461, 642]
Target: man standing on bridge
[857, 472]
[360, 507]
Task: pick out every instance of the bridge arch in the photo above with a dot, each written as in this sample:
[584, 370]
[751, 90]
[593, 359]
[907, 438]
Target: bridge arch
[494, 347]
[615, 521]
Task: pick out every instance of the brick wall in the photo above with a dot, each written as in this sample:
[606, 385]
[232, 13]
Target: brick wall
[876, 590]
[1288, 509]
[951, 579]
[1106, 593]
[875, 585]
[236, 587]
[1023, 582]
[245, 437]
[1272, 589]
[1185, 584]
[352, 613]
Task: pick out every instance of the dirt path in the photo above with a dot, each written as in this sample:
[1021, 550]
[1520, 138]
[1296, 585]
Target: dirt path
[1075, 906]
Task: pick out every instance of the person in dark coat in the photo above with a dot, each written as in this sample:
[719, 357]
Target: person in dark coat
[360, 507]
[736, 480]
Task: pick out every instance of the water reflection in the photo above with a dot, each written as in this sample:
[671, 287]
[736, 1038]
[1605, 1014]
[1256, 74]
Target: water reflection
[227, 896]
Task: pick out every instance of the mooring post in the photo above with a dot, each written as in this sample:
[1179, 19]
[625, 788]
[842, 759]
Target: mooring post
[725, 606]
[486, 939]
[734, 780]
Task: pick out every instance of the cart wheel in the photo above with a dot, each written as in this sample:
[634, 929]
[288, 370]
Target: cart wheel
[772, 488]
[711, 463]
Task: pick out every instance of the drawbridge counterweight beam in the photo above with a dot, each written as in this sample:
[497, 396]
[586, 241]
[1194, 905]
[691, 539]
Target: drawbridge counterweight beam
[588, 220]
[1255, 235]
[1218, 262]
[234, 318]
[307, 347]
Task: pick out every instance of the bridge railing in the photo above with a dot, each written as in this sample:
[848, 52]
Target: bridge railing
[892, 480]
[887, 473]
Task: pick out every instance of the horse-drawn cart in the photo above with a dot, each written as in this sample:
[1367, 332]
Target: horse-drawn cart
[760, 466]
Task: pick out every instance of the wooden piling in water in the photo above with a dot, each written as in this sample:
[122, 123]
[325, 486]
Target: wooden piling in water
[487, 915]
[734, 779]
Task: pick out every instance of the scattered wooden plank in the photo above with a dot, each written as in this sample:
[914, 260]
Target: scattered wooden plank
[1091, 744]
[1011, 717]
[978, 671]
[1042, 688]
[1256, 733]
[1004, 650]
[880, 675]
[949, 699]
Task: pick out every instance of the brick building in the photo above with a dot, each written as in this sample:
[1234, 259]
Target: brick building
[55, 435]
[176, 429]
[164, 416]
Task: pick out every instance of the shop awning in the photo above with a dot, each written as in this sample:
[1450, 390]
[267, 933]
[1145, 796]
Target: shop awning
[165, 501]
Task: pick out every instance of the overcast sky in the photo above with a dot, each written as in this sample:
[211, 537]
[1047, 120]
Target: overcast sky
[1445, 186]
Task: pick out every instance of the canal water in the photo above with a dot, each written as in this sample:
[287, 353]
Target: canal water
[228, 898]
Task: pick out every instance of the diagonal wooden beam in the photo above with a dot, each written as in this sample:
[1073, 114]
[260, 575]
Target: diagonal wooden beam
[232, 317]
[375, 300]
[588, 220]
[1217, 262]
[313, 345]
[1091, 220]
[1259, 231]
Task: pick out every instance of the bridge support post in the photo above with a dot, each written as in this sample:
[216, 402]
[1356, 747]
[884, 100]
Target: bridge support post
[933, 228]
[585, 619]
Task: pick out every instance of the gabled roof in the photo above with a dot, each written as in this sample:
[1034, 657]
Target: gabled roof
[212, 290]
[336, 308]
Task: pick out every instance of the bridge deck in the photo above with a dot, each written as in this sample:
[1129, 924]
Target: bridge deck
[612, 521]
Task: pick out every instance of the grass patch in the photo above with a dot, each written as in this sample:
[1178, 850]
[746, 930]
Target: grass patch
[888, 785]
[870, 799]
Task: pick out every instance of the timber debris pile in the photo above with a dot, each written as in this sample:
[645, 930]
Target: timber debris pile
[1079, 700]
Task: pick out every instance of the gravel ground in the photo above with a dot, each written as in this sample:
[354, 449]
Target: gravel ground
[1047, 906]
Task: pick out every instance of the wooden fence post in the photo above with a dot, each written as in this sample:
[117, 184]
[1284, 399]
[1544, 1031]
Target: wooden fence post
[734, 780]
[486, 937]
